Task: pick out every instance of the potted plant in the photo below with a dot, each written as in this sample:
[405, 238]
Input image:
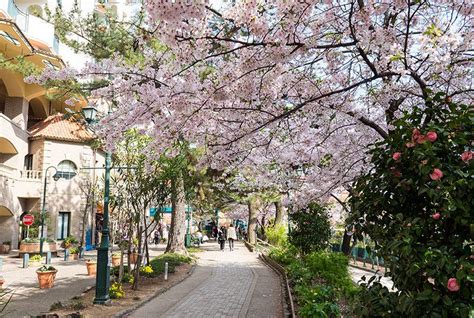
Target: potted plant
[91, 267]
[35, 260]
[116, 259]
[69, 241]
[46, 276]
[74, 252]
[2, 280]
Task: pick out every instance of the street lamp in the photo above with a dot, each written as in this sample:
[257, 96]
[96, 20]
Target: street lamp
[56, 177]
[187, 241]
[103, 269]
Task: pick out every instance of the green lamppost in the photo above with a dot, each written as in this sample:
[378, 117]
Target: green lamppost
[103, 269]
[187, 241]
[56, 177]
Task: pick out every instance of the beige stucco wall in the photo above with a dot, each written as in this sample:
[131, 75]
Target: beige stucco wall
[68, 195]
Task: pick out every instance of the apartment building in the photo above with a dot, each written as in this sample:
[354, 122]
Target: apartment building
[35, 134]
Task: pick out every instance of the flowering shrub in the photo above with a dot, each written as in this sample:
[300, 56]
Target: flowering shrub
[416, 204]
[116, 291]
[146, 270]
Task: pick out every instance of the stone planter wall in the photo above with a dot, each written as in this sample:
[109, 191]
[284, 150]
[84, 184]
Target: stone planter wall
[34, 248]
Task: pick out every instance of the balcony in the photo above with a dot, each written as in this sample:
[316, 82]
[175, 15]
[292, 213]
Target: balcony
[31, 25]
[23, 183]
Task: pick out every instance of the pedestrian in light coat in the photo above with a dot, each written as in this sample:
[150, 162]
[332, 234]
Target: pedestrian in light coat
[231, 236]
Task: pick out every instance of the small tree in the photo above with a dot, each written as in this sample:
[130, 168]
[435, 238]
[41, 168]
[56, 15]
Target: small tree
[311, 231]
[416, 204]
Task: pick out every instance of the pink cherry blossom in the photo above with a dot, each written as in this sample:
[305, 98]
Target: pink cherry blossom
[453, 285]
[466, 156]
[396, 156]
[431, 136]
[437, 174]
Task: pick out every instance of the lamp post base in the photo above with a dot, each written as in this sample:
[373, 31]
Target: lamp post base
[102, 276]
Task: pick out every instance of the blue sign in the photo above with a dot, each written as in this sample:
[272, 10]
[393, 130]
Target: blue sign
[166, 209]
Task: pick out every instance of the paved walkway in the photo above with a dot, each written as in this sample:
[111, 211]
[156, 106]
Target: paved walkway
[224, 284]
[71, 280]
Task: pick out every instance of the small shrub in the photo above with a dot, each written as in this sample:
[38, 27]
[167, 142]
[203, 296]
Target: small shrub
[128, 278]
[57, 305]
[35, 258]
[146, 271]
[73, 250]
[276, 235]
[116, 291]
[78, 305]
[312, 229]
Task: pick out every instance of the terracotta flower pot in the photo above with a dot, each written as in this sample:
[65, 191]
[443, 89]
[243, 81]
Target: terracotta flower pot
[133, 258]
[46, 279]
[115, 260]
[91, 268]
[75, 257]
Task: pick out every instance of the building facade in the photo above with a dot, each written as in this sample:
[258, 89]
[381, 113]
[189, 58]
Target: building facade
[35, 134]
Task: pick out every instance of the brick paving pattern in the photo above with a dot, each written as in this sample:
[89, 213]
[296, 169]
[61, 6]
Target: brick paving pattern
[224, 284]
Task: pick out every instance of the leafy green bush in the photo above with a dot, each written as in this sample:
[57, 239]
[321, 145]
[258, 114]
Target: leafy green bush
[320, 280]
[146, 271]
[416, 205]
[312, 230]
[158, 263]
[276, 235]
[73, 250]
[116, 291]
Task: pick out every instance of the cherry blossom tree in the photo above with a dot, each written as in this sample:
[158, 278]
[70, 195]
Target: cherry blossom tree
[281, 87]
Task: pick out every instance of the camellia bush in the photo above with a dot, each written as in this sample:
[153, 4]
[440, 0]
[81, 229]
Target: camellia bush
[311, 230]
[417, 205]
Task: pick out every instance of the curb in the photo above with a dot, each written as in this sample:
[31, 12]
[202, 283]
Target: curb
[290, 306]
[375, 271]
[127, 311]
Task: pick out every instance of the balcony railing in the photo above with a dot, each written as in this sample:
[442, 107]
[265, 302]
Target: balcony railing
[20, 175]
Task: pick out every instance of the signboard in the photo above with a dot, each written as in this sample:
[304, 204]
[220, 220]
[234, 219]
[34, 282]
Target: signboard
[166, 209]
[28, 220]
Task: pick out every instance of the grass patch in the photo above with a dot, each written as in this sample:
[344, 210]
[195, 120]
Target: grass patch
[193, 250]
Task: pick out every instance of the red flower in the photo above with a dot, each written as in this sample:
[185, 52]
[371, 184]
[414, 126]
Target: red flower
[453, 285]
[431, 136]
[396, 156]
[436, 216]
[421, 139]
[436, 174]
[466, 156]
[415, 135]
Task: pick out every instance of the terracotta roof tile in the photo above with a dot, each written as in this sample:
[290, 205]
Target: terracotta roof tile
[57, 127]
[38, 45]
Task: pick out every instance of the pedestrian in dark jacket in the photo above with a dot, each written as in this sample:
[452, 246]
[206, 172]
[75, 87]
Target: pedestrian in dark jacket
[221, 239]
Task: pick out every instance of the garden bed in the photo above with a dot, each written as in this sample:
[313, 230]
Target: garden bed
[81, 306]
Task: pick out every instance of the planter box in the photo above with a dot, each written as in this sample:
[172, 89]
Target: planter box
[34, 248]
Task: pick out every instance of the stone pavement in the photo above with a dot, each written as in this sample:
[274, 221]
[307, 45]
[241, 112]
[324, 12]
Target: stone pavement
[71, 280]
[358, 272]
[224, 284]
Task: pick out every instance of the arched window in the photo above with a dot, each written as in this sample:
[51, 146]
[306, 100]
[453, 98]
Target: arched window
[66, 169]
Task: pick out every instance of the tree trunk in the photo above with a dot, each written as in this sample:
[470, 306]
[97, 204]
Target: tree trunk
[178, 218]
[279, 213]
[251, 235]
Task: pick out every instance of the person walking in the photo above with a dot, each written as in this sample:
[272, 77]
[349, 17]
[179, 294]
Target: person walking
[231, 236]
[157, 237]
[221, 239]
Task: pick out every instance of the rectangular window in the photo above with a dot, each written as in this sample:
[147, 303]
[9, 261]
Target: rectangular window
[63, 228]
[29, 162]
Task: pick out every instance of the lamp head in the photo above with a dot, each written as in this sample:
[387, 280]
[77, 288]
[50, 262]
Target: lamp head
[90, 114]
[56, 177]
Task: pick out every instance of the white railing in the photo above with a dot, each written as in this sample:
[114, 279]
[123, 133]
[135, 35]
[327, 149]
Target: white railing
[20, 175]
[31, 174]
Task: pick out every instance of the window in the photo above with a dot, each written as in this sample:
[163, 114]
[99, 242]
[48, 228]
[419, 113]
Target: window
[63, 228]
[29, 162]
[66, 169]
[9, 38]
